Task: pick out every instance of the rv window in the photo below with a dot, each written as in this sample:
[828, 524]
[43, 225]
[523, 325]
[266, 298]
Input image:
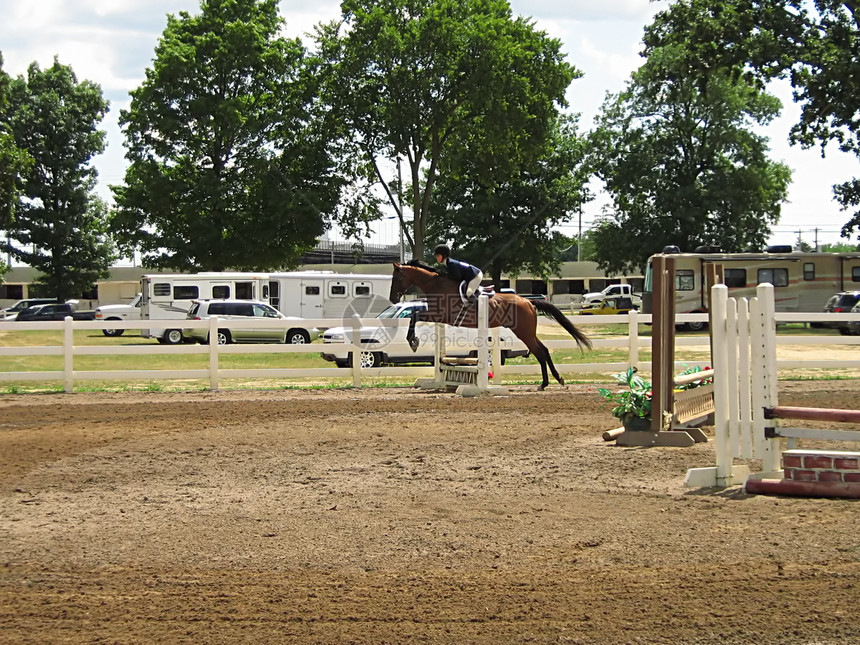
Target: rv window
[735, 278]
[362, 291]
[777, 277]
[855, 274]
[312, 291]
[337, 290]
[809, 271]
[186, 292]
[161, 289]
[684, 280]
[221, 291]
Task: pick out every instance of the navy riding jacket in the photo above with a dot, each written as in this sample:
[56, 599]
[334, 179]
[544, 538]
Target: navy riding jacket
[458, 270]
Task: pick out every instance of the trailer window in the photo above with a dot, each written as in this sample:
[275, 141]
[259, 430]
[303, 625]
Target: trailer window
[186, 292]
[685, 280]
[312, 291]
[161, 289]
[777, 277]
[809, 271]
[220, 291]
[361, 291]
[735, 278]
[337, 290]
[855, 274]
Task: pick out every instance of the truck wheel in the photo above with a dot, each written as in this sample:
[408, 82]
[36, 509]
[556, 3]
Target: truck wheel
[113, 332]
[298, 337]
[173, 336]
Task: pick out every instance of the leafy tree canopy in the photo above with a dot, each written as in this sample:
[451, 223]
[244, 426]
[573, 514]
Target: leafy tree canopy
[815, 44]
[60, 226]
[14, 161]
[229, 167]
[507, 227]
[412, 79]
[678, 157]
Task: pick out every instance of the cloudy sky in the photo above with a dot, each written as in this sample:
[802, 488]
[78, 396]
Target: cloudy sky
[111, 42]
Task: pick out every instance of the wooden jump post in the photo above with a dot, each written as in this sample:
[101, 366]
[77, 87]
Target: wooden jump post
[674, 415]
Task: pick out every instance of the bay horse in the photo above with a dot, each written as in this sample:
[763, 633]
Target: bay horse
[505, 310]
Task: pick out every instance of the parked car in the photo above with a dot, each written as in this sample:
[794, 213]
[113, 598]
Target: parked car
[842, 303]
[292, 331]
[389, 344]
[54, 312]
[9, 313]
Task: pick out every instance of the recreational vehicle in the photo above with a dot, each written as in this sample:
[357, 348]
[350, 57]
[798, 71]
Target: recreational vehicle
[323, 294]
[169, 296]
[301, 294]
[802, 281]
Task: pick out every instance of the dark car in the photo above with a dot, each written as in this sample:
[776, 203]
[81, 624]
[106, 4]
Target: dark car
[53, 312]
[842, 303]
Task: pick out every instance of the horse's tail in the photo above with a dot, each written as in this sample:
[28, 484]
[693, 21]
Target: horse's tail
[546, 307]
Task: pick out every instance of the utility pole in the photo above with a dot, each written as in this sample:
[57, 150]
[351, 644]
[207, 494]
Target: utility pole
[816, 238]
[579, 238]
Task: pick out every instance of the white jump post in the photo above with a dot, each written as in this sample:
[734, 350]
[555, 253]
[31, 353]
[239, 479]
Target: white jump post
[745, 382]
[469, 380]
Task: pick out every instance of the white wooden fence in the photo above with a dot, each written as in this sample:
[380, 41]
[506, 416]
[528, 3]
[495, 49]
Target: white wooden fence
[214, 373]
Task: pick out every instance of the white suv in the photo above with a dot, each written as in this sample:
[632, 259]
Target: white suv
[389, 345]
[250, 310]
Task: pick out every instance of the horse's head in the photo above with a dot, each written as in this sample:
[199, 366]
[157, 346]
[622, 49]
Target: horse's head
[406, 276]
[398, 288]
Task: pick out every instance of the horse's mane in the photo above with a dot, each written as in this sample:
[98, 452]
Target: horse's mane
[415, 262]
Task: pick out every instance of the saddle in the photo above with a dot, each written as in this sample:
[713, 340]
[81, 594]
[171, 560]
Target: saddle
[489, 291]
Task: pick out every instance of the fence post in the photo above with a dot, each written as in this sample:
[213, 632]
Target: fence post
[356, 350]
[633, 339]
[213, 353]
[68, 354]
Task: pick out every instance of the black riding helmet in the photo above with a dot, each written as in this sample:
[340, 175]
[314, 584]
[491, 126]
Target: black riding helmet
[443, 250]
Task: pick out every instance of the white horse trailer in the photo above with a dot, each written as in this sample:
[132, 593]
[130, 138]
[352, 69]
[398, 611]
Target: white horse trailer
[802, 281]
[324, 294]
[167, 296]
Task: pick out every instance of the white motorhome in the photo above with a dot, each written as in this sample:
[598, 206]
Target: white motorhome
[802, 281]
[324, 294]
[169, 296]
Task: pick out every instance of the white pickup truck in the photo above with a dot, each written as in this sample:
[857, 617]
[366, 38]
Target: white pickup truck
[131, 311]
[612, 290]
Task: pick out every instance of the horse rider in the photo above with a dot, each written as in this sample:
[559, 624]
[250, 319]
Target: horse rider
[467, 275]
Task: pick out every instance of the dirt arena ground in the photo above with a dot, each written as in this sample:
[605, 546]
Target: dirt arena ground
[392, 516]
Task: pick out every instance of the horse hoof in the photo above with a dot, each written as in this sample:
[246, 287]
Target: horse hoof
[541, 388]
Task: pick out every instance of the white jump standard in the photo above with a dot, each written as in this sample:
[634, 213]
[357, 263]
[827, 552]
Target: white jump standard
[469, 379]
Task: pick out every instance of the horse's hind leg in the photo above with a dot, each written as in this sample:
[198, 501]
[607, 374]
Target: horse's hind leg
[551, 367]
[539, 351]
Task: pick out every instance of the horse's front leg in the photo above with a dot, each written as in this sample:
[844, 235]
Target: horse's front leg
[410, 333]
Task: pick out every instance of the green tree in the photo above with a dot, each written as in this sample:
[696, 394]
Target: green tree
[679, 159]
[507, 227]
[816, 45]
[60, 225]
[413, 79]
[14, 161]
[229, 167]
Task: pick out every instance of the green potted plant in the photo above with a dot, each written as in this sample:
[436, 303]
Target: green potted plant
[633, 404]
